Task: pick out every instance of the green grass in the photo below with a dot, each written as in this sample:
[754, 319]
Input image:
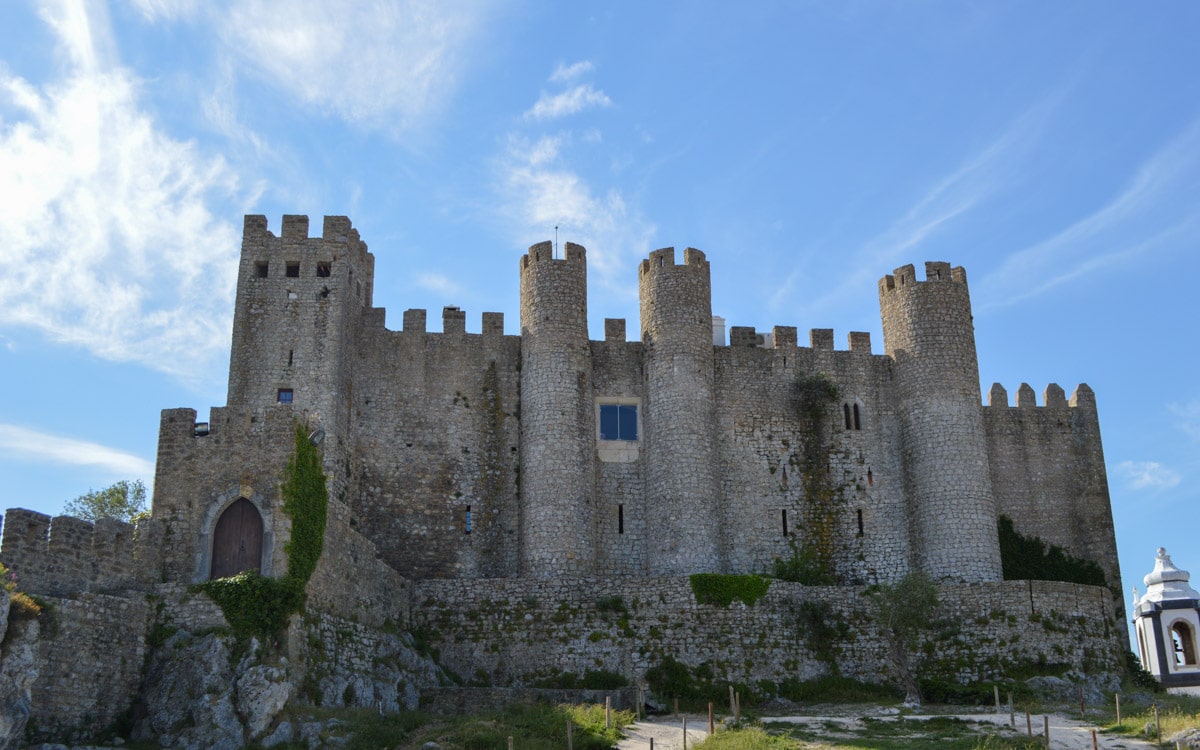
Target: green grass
[901, 734]
[1175, 714]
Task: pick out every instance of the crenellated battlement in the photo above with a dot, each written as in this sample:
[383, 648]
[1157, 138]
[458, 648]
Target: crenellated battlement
[785, 337]
[906, 276]
[64, 554]
[543, 252]
[454, 320]
[664, 258]
[295, 227]
[1053, 397]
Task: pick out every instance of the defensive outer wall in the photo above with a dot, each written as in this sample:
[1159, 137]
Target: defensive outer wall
[474, 498]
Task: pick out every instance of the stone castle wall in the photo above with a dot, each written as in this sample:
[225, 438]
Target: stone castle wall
[516, 631]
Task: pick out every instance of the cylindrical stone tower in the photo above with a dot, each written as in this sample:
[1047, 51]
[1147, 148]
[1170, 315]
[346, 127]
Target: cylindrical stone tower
[557, 420]
[683, 516]
[928, 332]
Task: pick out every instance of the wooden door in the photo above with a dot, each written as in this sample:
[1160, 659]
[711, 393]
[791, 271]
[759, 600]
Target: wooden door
[237, 540]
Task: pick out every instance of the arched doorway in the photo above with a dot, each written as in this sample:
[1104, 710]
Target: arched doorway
[1185, 645]
[237, 540]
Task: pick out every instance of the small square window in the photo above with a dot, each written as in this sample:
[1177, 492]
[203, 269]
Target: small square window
[293, 270]
[323, 269]
[260, 269]
[618, 422]
[285, 395]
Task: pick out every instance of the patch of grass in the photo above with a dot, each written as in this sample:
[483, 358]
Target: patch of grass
[945, 732]
[1175, 714]
[721, 589]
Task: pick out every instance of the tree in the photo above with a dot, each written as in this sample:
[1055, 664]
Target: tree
[903, 611]
[123, 501]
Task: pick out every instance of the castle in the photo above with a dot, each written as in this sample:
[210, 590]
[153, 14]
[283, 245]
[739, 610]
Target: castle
[477, 479]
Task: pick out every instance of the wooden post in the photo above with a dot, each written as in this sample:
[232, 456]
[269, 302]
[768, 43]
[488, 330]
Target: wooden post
[1082, 709]
[1046, 729]
[651, 743]
[732, 708]
[685, 733]
[510, 746]
[1095, 742]
[996, 693]
[1028, 722]
[1118, 697]
[608, 712]
[1157, 726]
[571, 735]
[711, 726]
[1012, 715]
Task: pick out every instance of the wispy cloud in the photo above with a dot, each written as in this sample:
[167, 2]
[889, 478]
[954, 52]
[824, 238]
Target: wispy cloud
[24, 443]
[563, 73]
[1156, 207]
[1148, 475]
[168, 10]
[106, 237]
[542, 191]
[577, 99]
[387, 65]
[436, 282]
[1188, 418]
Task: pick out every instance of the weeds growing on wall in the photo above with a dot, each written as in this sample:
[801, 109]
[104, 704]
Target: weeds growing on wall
[812, 397]
[255, 604]
[21, 606]
[1028, 557]
[803, 566]
[721, 589]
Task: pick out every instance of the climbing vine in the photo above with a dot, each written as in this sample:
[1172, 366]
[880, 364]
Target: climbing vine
[254, 604]
[812, 397]
[1028, 557]
[721, 589]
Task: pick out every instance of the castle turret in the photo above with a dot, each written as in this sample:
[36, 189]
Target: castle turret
[299, 303]
[928, 332]
[680, 416]
[557, 420]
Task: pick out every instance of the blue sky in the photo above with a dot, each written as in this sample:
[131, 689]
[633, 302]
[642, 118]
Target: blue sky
[1053, 149]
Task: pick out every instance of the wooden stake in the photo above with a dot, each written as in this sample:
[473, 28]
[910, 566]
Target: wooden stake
[1046, 729]
[1157, 726]
[732, 708]
[1118, 697]
[685, 733]
[996, 692]
[1082, 709]
[1012, 716]
[608, 712]
[1028, 722]
[510, 743]
[711, 727]
[1095, 742]
[571, 735]
[651, 743]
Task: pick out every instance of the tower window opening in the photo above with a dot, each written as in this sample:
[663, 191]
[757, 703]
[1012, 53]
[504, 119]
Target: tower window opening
[783, 517]
[1184, 645]
[846, 415]
[857, 418]
[618, 422]
[467, 521]
[621, 518]
[260, 269]
[284, 396]
[860, 522]
[323, 269]
[293, 270]
[870, 478]
[291, 352]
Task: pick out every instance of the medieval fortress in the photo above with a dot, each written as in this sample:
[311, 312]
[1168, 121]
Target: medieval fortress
[478, 480]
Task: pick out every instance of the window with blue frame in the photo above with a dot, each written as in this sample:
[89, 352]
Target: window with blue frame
[618, 422]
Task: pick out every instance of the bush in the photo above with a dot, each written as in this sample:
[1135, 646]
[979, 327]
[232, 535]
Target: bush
[720, 589]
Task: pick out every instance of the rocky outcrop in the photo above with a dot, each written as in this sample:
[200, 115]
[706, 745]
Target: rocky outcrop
[18, 671]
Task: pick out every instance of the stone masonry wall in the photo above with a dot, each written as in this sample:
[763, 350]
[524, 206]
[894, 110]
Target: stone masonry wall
[511, 632]
[1048, 474]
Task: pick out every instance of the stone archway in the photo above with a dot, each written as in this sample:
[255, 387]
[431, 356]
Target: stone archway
[237, 543]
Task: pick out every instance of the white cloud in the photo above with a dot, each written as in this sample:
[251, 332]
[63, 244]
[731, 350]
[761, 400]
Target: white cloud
[575, 100]
[166, 10]
[378, 64]
[1141, 475]
[1189, 418]
[541, 191]
[436, 282]
[25, 443]
[563, 73]
[105, 236]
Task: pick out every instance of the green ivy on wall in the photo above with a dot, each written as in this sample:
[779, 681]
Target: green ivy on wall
[720, 589]
[1028, 557]
[256, 605]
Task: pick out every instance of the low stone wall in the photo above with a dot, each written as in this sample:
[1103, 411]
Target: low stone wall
[89, 663]
[515, 631]
[470, 700]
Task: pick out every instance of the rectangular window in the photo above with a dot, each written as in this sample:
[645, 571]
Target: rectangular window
[285, 395]
[260, 269]
[467, 521]
[618, 422]
[621, 518]
[323, 269]
[293, 269]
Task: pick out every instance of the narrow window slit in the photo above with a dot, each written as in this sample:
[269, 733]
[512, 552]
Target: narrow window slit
[846, 414]
[621, 518]
[857, 418]
[783, 515]
[467, 521]
[860, 522]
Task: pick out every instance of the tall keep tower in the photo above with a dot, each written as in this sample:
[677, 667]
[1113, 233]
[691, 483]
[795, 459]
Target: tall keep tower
[680, 414]
[928, 332]
[557, 420]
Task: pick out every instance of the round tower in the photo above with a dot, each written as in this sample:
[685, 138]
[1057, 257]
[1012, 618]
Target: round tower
[929, 334]
[557, 448]
[680, 416]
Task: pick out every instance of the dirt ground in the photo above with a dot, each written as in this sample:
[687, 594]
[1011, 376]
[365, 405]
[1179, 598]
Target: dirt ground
[1065, 733]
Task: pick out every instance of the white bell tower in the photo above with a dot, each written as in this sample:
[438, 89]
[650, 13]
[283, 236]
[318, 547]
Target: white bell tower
[1167, 623]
